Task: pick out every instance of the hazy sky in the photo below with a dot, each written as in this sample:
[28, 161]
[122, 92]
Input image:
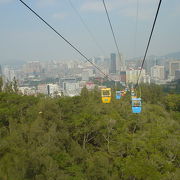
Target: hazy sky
[24, 37]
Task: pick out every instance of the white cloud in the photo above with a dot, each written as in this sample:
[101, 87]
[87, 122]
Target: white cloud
[59, 16]
[123, 7]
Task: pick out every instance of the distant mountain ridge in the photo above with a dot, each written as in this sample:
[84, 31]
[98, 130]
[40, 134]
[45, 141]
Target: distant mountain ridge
[175, 55]
[12, 62]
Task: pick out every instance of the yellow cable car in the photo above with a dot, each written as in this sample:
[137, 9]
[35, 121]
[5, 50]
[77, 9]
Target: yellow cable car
[132, 97]
[106, 95]
[123, 92]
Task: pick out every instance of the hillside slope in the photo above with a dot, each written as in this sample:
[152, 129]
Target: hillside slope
[81, 138]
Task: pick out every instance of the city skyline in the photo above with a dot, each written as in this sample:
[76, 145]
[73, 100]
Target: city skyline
[26, 38]
[54, 78]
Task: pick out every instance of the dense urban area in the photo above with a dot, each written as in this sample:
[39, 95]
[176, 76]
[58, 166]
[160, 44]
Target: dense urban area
[53, 124]
[79, 138]
[65, 116]
[69, 77]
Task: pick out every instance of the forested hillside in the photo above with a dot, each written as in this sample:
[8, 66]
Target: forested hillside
[80, 138]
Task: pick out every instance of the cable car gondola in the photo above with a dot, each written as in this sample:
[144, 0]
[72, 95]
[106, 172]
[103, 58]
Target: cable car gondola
[118, 94]
[133, 95]
[106, 95]
[136, 105]
[123, 93]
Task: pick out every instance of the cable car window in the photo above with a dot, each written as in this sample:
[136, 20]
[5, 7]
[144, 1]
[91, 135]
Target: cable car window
[106, 93]
[136, 103]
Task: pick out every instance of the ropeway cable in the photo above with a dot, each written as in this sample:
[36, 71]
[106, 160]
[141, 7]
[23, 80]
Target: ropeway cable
[86, 27]
[136, 28]
[152, 30]
[114, 37]
[105, 75]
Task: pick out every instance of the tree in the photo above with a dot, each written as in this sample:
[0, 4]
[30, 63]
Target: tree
[82, 138]
[8, 87]
[15, 85]
[172, 102]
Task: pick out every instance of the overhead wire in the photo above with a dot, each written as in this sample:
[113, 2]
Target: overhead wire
[136, 28]
[135, 39]
[68, 42]
[86, 27]
[114, 37]
[152, 30]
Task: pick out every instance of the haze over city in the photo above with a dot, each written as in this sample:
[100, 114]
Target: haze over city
[25, 38]
[79, 98]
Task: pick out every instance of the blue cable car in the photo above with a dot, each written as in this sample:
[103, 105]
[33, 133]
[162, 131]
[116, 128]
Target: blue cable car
[118, 94]
[136, 105]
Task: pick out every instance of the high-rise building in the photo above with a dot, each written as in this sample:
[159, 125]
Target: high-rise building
[133, 74]
[158, 72]
[71, 89]
[147, 79]
[113, 64]
[32, 67]
[120, 64]
[177, 75]
[123, 76]
[173, 67]
[52, 89]
[9, 73]
[85, 75]
[150, 62]
[49, 89]
[42, 88]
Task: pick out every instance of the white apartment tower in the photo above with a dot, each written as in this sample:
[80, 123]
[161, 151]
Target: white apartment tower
[133, 74]
[158, 72]
[173, 67]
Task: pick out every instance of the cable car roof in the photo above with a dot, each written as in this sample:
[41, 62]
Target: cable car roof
[106, 89]
[136, 99]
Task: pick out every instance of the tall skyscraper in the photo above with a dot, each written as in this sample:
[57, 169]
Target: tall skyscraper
[113, 63]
